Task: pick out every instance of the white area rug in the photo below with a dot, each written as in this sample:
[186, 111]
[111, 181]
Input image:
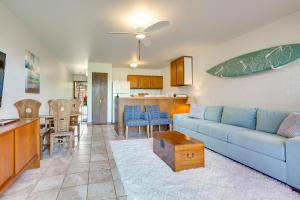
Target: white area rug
[145, 176]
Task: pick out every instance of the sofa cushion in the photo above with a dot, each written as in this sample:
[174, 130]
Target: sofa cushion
[269, 121]
[265, 143]
[216, 130]
[197, 111]
[243, 117]
[213, 113]
[290, 126]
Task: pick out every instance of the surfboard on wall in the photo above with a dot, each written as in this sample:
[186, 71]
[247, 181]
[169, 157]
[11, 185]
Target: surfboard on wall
[257, 61]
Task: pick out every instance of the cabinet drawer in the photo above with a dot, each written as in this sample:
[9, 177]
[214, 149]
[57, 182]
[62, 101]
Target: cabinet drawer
[6, 156]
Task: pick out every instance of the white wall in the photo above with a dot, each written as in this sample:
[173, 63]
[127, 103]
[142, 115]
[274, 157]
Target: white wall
[56, 80]
[120, 74]
[278, 89]
[101, 68]
[79, 77]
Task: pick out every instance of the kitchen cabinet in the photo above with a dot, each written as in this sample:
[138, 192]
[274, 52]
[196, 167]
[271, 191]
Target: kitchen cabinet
[145, 82]
[157, 82]
[134, 81]
[181, 70]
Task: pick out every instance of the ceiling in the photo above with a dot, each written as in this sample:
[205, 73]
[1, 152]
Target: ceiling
[75, 30]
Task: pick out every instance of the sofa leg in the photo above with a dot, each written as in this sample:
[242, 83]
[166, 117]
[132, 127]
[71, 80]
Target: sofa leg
[126, 132]
[170, 127]
[158, 128]
[139, 130]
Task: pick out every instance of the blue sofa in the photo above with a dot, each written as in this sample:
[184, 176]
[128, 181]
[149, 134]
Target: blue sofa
[249, 137]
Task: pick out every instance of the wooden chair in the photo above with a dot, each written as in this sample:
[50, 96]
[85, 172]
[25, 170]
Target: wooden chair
[74, 121]
[50, 106]
[50, 123]
[28, 108]
[61, 113]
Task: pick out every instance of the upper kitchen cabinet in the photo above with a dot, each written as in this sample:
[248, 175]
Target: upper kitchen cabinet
[145, 82]
[134, 81]
[156, 82]
[181, 71]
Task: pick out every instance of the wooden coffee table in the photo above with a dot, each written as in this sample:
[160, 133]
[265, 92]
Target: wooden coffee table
[178, 150]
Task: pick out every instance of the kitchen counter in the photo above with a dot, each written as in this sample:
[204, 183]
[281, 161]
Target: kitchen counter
[153, 97]
[172, 105]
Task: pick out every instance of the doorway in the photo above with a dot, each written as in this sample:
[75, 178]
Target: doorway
[80, 92]
[99, 98]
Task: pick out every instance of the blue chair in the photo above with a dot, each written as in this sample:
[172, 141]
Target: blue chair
[134, 117]
[157, 118]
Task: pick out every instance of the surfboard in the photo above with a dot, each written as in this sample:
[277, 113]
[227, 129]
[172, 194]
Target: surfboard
[258, 61]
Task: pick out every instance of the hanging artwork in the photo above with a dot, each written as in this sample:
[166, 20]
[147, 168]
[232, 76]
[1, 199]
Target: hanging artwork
[257, 61]
[32, 73]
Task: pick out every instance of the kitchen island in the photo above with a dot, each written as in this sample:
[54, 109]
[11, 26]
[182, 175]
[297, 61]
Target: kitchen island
[172, 105]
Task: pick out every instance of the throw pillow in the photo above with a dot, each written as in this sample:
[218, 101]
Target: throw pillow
[197, 111]
[290, 127]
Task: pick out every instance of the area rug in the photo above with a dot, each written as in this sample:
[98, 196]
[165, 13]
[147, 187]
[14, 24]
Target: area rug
[146, 177]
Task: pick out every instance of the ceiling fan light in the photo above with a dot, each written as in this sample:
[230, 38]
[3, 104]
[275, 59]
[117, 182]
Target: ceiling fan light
[133, 65]
[140, 36]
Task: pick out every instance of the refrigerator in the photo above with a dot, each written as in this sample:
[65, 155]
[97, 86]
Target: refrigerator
[120, 89]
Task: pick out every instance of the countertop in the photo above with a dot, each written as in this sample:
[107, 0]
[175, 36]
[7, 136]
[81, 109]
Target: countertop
[14, 125]
[141, 98]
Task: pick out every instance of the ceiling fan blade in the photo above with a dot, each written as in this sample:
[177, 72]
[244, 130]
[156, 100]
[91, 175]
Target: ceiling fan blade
[146, 41]
[157, 26]
[119, 33]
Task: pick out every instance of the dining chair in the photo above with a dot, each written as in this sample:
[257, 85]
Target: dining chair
[157, 118]
[28, 108]
[134, 117]
[61, 114]
[74, 120]
[50, 122]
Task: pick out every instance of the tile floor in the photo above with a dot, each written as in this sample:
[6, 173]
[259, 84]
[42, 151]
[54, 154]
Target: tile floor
[87, 172]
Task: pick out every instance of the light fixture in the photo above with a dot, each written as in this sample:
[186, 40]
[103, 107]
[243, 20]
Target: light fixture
[140, 36]
[133, 65]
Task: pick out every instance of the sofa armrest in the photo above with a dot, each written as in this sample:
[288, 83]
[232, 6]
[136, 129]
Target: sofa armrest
[293, 162]
[177, 118]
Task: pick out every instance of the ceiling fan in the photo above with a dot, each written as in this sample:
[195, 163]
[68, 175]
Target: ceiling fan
[142, 33]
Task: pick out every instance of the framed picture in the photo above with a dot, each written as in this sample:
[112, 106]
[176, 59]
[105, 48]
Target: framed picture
[32, 73]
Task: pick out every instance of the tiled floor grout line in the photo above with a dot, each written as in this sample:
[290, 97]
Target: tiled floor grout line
[87, 188]
[110, 168]
[69, 164]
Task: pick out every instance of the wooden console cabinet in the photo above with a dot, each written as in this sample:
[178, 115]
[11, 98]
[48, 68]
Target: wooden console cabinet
[19, 150]
[181, 71]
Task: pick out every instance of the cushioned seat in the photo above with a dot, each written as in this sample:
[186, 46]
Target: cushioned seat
[265, 143]
[136, 122]
[217, 130]
[160, 121]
